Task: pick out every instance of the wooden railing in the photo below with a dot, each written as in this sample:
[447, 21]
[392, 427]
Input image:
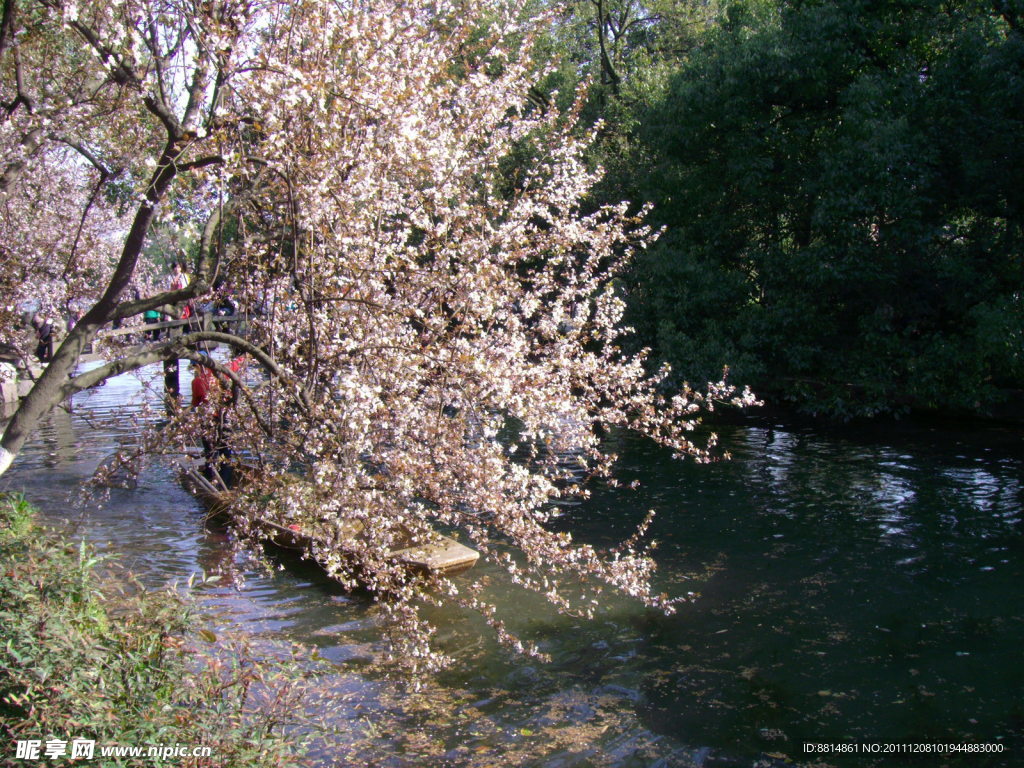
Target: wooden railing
[205, 321]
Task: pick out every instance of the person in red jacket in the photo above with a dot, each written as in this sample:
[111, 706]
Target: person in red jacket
[207, 390]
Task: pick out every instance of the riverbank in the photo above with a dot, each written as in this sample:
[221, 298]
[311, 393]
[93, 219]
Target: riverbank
[92, 664]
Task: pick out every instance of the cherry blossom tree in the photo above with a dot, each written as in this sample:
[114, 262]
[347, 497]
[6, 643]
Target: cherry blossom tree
[440, 326]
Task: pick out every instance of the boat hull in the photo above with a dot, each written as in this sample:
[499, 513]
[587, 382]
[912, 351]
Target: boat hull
[442, 555]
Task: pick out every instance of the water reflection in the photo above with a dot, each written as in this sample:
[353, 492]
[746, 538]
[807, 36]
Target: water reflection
[853, 586]
[857, 607]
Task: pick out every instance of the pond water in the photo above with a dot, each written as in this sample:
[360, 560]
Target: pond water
[858, 587]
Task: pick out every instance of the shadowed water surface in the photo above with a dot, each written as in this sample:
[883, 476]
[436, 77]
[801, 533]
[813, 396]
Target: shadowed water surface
[855, 587]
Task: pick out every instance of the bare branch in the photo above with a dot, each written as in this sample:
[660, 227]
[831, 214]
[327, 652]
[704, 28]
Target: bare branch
[81, 223]
[21, 98]
[88, 154]
[153, 43]
[202, 162]
[206, 273]
[115, 368]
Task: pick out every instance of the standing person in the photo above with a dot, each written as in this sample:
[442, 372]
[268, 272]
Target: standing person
[44, 337]
[72, 315]
[208, 391]
[179, 280]
[151, 317]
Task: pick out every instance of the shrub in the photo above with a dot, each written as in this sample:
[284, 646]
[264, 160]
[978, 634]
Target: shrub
[88, 653]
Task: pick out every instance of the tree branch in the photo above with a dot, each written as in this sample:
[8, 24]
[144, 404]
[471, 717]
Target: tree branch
[200, 81]
[30, 142]
[202, 162]
[85, 152]
[205, 274]
[115, 368]
[608, 73]
[153, 43]
[180, 348]
[20, 98]
[81, 223]
[7, 24]
[122, 74]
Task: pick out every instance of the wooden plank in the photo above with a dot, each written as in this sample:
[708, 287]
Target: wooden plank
[445, 556]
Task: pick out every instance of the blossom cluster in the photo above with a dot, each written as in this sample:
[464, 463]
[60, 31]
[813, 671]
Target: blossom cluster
[430, 286]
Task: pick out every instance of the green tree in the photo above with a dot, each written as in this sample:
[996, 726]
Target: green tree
[840, 184]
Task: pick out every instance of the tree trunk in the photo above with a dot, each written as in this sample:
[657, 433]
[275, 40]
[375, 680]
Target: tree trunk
[48, 389]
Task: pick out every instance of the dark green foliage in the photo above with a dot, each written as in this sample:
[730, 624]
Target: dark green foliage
[841, 183]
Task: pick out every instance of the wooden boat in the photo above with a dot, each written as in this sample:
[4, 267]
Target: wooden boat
[442, 555]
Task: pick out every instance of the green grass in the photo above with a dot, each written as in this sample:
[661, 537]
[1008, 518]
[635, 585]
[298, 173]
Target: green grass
[87, 655]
